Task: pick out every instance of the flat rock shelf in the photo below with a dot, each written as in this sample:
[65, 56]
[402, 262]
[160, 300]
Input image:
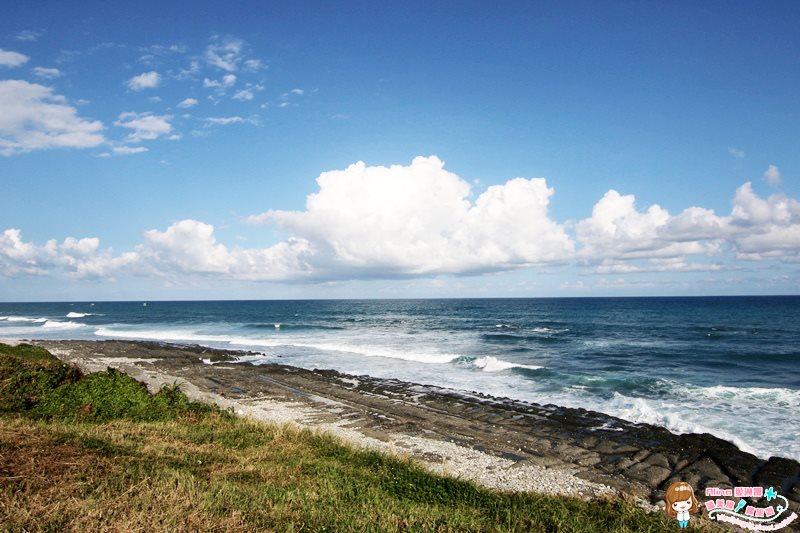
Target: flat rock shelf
[498, 442]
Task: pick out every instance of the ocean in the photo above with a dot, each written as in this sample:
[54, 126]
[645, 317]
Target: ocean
[729, 366]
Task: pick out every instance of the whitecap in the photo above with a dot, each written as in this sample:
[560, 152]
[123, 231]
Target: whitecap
[55, 324]
[493, 364]
[25, 319]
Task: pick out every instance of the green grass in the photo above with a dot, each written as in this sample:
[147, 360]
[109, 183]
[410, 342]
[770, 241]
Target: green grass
[37, 385]
[139, 462]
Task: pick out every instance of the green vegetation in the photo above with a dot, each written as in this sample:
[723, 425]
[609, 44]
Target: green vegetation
[36, 384]
[133, 461]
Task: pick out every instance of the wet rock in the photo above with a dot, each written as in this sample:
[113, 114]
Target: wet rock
[658, 459]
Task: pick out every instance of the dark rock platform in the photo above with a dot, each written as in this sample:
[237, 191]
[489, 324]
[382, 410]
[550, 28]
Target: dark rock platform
[637, 459]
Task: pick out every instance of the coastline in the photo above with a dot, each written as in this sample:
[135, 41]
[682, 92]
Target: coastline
[498, 442]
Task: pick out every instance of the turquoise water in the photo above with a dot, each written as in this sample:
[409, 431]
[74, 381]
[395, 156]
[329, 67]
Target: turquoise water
[729, 366]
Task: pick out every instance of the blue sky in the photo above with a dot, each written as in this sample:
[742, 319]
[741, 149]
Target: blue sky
[173, 151]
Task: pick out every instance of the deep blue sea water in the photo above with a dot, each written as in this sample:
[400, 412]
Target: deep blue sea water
[724, 365]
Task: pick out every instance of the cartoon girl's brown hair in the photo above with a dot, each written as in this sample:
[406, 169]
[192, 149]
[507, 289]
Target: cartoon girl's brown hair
[680, 491]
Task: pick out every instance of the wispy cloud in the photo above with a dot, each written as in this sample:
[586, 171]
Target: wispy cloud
[146, 80]
[248, 93]
[224, 53]
[187, 103]
[773, 176]
[33, 117]
[157, 53]
[47, 73]
[159, 49]
[12, 59]
[29, 35]
[253, 65]
[190, 72]
[736, 153]
[124, 150]
[285, 98]
[224, 121]
[127, 150]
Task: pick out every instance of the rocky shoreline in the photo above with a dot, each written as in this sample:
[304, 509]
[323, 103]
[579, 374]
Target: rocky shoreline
[499, 442]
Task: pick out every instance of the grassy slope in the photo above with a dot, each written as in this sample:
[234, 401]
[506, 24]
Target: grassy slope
[98, 453]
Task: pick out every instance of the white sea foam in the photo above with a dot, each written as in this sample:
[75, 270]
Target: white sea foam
[757, 396]
[25, 319]
[363, 350]
[56, 324]
[73, 314]
[161, 335]
[493, 364]
[251, 358]
[360, 349]
[739, 415]
[679, 417]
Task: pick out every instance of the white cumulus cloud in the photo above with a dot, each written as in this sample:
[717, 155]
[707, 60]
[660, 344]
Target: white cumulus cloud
[418, 219]
[12, 59]
[187, 103]
[189, 246]
[33, 117]
[422, 220]
[146, 80]
[16, 256]
[756, 228]
[79, 258]
[145, 126]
